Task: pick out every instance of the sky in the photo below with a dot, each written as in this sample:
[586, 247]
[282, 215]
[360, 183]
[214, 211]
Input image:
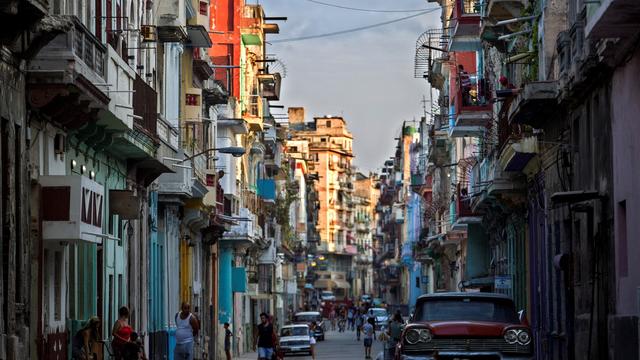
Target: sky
[365, 76]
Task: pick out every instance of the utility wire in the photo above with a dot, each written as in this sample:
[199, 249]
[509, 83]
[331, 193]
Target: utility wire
[365, 10]
[341, 32]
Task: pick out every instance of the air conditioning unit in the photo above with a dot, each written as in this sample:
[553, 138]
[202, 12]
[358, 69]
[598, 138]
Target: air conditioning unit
[148, 33]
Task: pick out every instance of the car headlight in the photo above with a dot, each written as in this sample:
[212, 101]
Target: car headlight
[511, 336]
[520, 336]
[412, 336]
[524, 338]
[425, 335]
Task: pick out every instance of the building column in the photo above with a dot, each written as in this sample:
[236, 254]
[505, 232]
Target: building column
[225, 293]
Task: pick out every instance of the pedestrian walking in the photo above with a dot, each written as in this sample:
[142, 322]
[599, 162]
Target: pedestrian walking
[227, 340]
[83, 341]
[121, 333]
[360, 320]
[394, 332]
[265, 338]
[312, 339]
[369, 334]
[350, 318]
[332, 318]
[187, 327]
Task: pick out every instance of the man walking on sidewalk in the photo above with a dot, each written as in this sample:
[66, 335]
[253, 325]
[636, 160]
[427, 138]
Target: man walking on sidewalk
[265, 339]
[187, 327]
[369, 334]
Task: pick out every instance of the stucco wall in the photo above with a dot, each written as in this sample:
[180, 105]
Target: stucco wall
[626, 172]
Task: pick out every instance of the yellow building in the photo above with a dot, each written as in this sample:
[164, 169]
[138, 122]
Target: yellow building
[330, 151]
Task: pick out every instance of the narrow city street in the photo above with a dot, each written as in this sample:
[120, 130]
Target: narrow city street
[343, 346]
[181, 177]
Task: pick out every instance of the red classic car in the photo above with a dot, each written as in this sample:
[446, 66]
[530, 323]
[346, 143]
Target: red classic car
[465, 326]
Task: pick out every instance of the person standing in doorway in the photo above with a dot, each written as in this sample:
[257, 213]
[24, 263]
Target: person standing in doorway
[187, 327]
[265, 338]
[227, 340]
[368, 331]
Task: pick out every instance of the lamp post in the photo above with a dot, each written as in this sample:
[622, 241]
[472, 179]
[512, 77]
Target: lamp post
[235, 151]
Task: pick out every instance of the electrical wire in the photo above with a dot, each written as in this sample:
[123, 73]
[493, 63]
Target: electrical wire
[361, 9]
[347, 31]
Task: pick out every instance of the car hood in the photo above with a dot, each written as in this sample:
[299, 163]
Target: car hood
[294, 338]
[466, 328]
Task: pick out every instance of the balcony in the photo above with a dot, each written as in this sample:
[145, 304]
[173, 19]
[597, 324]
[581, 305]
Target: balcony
[490, 183]
[535, 104]
[464, 33]
[517, 154]
[497, 10]
[253, 113]
[270, 85]
[171, 19]
[145, 107]
[66, 79]
[613, 19]
[472, 110]
[246, 231]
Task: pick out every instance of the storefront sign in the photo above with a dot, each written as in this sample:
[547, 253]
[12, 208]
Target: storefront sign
[73, 208]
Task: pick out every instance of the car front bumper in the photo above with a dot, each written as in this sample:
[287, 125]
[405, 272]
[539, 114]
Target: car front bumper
[464, 355]
[295, 349]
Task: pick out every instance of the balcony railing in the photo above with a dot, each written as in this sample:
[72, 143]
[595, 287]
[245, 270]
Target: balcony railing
[472, 107]
[145, 107]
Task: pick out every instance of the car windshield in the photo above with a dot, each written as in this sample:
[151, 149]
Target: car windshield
[306, 318]
[378, 312]
[466, 309]
[294, 331]
[327, 293]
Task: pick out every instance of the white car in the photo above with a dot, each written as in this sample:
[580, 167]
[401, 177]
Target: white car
[295, 339]
[380, 315]
[327, 296]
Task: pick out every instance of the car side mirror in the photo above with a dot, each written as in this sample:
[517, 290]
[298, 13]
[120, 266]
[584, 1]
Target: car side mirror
[522, 316]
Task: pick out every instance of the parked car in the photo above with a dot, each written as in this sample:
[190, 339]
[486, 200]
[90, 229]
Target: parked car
[295, 339]
[307, 317]
[466, 326]
[380, 315]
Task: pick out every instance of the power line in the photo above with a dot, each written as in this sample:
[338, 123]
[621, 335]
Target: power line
[341, 32]
[361, 9]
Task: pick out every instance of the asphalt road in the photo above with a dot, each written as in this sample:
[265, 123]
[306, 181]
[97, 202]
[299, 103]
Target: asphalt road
[337, 346]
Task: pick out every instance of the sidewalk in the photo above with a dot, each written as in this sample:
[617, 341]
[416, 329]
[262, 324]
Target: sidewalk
[247, 356]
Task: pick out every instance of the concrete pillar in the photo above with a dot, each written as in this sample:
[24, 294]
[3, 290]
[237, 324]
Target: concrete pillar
[225, 295]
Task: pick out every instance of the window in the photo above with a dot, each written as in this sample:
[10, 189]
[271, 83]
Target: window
[623, 265]
[328, 123]
[120, 291]
[57, 283]
[323, 140]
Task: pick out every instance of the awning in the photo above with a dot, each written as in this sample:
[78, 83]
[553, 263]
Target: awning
[197, 36]
[251, 39]
[341, 284]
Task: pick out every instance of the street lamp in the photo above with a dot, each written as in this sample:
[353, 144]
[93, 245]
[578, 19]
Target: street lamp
[235, 151]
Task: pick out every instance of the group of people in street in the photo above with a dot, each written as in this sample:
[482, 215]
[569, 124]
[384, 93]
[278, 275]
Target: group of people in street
[125, 343]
